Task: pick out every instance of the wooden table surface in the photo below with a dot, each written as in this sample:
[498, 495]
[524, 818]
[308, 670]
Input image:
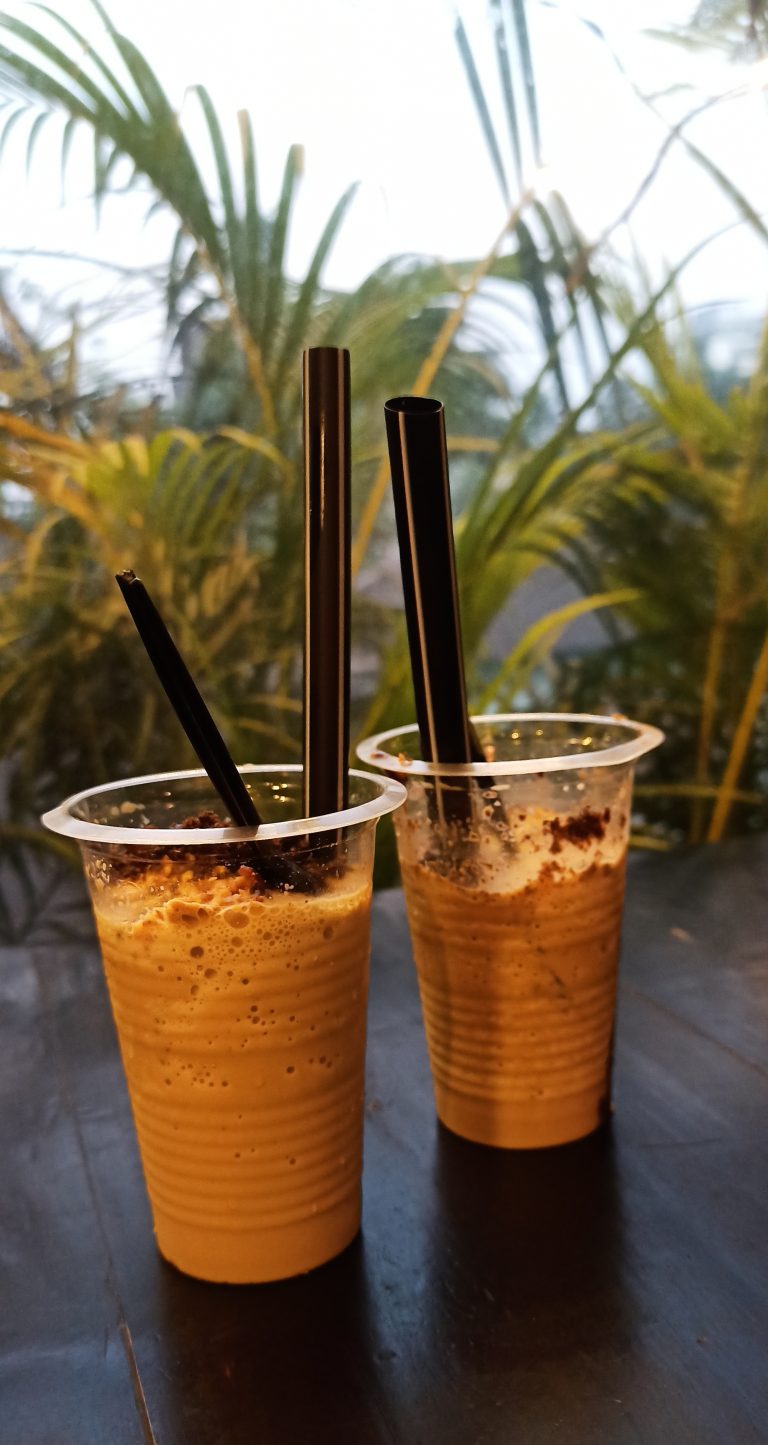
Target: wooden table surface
[609, 1293]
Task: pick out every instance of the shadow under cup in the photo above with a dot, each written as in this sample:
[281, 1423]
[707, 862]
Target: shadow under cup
[513, 873]
[240, 1007]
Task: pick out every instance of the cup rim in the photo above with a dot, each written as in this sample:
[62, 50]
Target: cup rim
[642, 738]
[389, 796]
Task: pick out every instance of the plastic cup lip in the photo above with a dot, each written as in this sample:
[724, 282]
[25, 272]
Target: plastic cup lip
[641, 738]
[390, 794]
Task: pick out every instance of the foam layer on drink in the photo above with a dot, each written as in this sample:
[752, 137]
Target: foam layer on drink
[516, 949]
[241, 1019]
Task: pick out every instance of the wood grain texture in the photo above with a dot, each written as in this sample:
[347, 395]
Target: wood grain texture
[613, 1292]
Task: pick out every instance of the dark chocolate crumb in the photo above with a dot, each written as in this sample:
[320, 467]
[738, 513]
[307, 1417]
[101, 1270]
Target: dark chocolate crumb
[206, 819]
[580, 829]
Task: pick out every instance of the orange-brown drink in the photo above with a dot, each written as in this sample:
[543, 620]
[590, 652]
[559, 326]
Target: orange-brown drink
[513, 874]
[240, 1006]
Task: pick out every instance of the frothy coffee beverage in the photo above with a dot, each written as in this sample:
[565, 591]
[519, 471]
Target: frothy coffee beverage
[516, 946]
[241, 1020]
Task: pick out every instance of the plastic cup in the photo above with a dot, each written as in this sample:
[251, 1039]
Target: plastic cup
[240, 1010]
[513, 873]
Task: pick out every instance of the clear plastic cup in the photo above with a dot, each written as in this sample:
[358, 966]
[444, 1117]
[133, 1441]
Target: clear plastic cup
[513, 873]
[240, 1009]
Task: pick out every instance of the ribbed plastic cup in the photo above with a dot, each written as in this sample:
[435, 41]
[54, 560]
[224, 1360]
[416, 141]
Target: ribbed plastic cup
[513, 873]
[240, 1011]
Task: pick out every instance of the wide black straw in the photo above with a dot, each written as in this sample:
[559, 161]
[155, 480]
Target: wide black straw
[419, 462]
[192, 713]
[327, 579]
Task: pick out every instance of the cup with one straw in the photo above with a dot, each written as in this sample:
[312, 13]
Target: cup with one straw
[512, 848]
[235, 946]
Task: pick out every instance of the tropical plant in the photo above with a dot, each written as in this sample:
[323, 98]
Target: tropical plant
[176, 506]
[213, 521]
[738, 30]
[684, 523]
[75, 695]
[666, 510]
[570, 303]
[235, 314]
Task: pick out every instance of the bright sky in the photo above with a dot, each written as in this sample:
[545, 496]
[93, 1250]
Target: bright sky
[377, 94]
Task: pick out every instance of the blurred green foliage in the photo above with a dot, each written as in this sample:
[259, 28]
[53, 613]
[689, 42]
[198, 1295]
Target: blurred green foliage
[644, 486]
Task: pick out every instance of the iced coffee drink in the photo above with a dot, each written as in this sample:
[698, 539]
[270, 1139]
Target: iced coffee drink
[514, 887]
[240, 1008]
[517, 969]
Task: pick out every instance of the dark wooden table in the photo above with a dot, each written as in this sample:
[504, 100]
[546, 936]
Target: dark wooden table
[609, 1293]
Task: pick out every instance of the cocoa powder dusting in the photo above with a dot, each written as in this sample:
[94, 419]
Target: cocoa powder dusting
[279, 870]
[580, 830]
[206, 819]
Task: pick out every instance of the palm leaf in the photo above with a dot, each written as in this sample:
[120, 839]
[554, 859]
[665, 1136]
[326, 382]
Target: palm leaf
[224, 177]
[534, 273]
[641, 323]
[481, 106]
[583, 275]
[306, 300]
[564, 269]
[542, 634]
[34, 131]
[10, 122]
[507, 89]
[95, 58]
[526, 64]
[153, 141]
[252, 284]
[275, 280]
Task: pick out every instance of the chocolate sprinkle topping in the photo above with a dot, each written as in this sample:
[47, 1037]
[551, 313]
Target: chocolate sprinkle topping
[580, 829]
[206, 819]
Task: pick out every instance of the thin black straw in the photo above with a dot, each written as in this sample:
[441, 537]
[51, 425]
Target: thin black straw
[419, 462]
[187, 703]
[327, 579]
[173, 674]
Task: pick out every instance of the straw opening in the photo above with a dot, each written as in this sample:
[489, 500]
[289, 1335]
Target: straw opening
[414, 405]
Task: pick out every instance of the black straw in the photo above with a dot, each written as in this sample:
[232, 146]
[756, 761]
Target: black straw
[209, 745]
[327, 579]
[419, 461]
[188, 705]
